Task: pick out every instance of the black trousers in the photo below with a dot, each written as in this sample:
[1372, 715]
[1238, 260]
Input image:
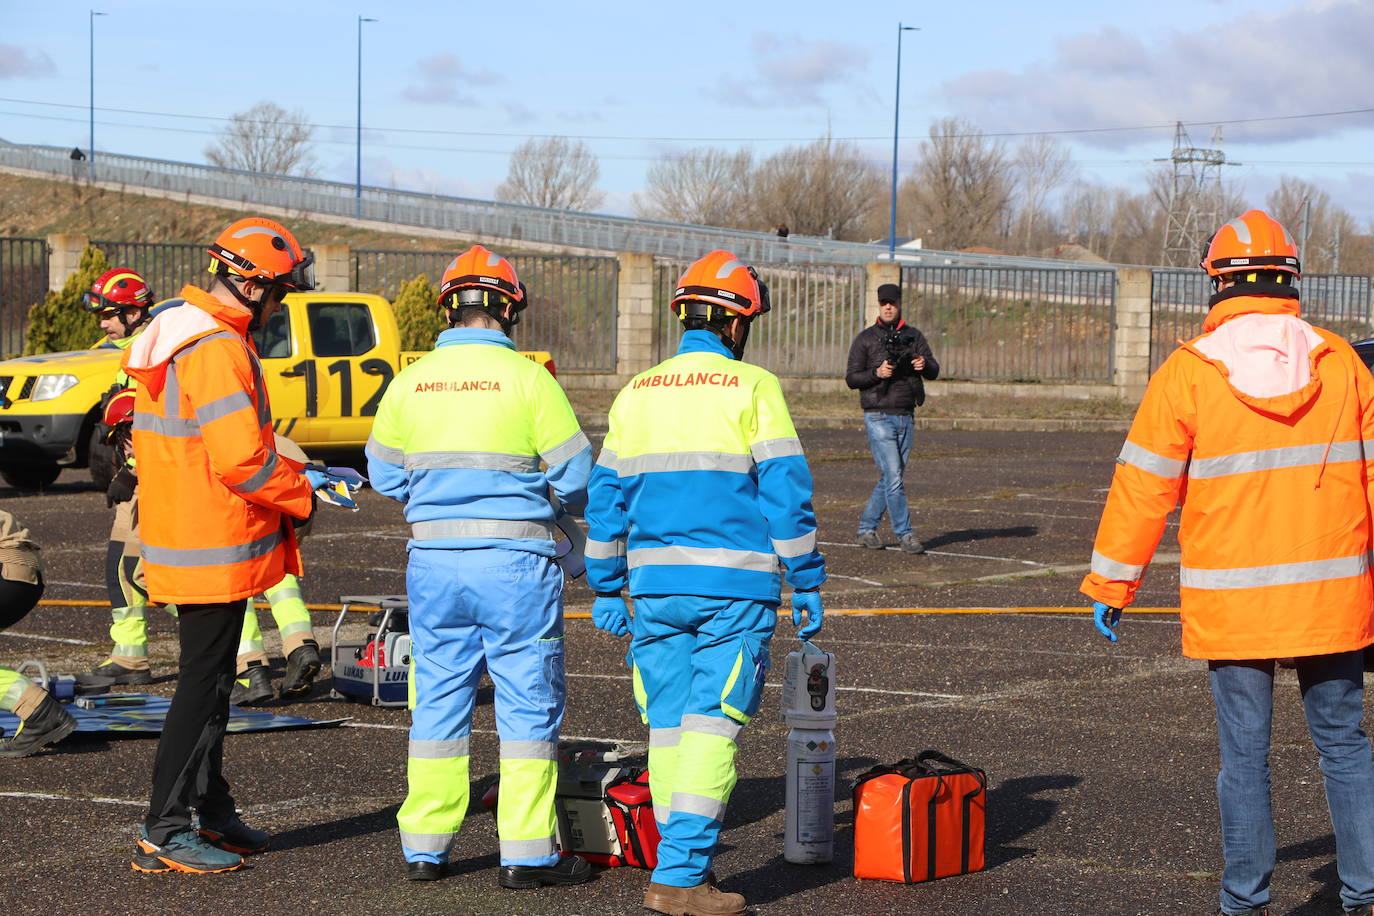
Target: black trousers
[187, 770]
[17, 599]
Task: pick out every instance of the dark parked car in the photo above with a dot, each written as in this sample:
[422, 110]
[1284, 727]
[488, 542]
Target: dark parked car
[1366, 350]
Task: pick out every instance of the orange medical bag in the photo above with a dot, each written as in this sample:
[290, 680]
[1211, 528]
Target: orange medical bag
[919, 819]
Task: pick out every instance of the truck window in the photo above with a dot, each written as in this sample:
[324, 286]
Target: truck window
[340, 328]
[273, 339]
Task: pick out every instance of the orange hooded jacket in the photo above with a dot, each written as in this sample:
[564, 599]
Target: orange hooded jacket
[1264, 427]
[212, 489]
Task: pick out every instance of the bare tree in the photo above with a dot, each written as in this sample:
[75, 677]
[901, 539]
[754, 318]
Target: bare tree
[961, 189]
[1041, 165]
[709, 187]
[267, 139]
[552, 172]
[824, 188]
[1320, 227]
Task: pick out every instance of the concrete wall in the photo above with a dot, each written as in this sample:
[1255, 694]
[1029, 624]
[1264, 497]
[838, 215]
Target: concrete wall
[64, 258]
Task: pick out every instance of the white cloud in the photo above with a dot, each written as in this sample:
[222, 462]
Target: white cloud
[1310, 57]
[443, 80]
[791, 70]
[17, 62]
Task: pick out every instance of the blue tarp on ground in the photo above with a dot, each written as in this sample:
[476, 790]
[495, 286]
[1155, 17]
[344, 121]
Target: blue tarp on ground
[148, 718]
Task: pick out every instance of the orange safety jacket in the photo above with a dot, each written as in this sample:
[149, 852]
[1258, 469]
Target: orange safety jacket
[1264, 427]
[212, 489]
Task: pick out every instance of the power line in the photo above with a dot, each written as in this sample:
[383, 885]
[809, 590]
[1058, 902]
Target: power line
[514, 134]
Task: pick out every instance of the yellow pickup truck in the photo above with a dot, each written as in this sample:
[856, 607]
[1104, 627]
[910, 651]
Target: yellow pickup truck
[327, 358]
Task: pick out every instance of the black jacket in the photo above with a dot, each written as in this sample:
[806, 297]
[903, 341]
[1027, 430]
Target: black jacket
[905, 389]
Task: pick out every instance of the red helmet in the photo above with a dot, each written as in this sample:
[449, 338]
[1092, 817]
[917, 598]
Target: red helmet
[119, 288]
[119, 408]
[263, 250]
[722, 279]
[1253, 241]
[480, 269]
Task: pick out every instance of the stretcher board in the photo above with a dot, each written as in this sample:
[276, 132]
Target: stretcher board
[148, 718]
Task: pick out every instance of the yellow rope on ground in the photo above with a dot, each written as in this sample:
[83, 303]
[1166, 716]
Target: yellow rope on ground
[846, 612]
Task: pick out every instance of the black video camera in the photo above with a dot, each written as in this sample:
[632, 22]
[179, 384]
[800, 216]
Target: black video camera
[901, 350]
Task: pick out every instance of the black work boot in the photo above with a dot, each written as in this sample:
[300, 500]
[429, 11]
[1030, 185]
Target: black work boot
[48, 724]
[109, 673]
[252, 688]
[567, 870]
[301, 667]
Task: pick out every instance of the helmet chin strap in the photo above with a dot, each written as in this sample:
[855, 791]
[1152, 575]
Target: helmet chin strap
[254, 307]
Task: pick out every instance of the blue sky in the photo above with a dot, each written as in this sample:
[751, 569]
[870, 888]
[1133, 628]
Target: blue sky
[641, 80]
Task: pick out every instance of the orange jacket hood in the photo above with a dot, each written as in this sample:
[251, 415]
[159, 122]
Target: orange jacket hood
[1265, 352]
[172, 329]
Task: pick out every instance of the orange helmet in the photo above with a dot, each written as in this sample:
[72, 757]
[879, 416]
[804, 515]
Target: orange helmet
[119, 288]
[722, 279]
[263, 250]
[483, 272]
[1253, 241]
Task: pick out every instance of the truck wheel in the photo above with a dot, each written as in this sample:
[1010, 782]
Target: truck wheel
[101, 458]
[29, 476]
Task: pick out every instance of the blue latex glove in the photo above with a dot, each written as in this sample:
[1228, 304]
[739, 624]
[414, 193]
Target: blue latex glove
[1106, 618]
[317, 478]
[810, 604]
[609, 614]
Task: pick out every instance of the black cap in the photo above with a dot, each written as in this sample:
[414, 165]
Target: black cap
[889, 292]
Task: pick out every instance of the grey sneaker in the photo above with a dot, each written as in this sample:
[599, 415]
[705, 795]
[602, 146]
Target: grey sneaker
[870, 539]
[912, 544]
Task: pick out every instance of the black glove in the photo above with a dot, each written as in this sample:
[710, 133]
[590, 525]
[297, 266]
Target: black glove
[121, 489]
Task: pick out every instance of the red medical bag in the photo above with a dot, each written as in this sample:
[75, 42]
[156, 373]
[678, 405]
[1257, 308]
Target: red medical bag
[632, 812]
[919, 819]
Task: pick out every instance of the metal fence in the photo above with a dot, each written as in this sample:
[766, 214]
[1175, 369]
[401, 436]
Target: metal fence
[990, 324]
[464, 216]
[1178, 305]
[817, 310]
[23, 283]
[573, 299]
[166, 267]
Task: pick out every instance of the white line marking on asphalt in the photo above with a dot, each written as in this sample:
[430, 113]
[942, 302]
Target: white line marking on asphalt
[1059, 499]
[778, 686]
[979, 556]
[856, 579]
[99, 800]
[70, 642]
[74, 584]
[483, 731]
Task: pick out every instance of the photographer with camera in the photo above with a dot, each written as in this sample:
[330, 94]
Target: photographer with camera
[887, 364]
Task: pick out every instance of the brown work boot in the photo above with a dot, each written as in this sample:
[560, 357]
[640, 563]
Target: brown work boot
[702, 900]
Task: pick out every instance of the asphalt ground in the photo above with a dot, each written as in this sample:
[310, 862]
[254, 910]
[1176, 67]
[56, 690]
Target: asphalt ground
[1101, 759]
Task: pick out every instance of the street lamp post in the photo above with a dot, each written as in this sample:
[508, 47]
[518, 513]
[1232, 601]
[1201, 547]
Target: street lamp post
[91, 150]
[358, 179]
[896, 115]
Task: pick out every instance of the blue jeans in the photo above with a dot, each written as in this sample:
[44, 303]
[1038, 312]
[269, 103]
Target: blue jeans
[1333, 701]
[889, 438]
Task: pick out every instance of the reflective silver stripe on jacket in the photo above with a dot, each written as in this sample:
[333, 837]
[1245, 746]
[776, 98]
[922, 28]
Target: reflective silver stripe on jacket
[223, 407]
[795, 547]
[1279, 574]
[529, 750]
[776, 448]
[1147, 460]
[385, 452]
[1270, 459]
[750, 560]
[437, 750]
[470, 461]
[604, 550]
[567, 450]
[258, 478]
[685, 461]
[426, 842]
[171, 427]
[607, 459]
[479, 528]
[711, 725]
[1111, 569]
[211, 556]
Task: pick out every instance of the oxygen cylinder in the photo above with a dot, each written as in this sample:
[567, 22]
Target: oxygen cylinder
[809, 710]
